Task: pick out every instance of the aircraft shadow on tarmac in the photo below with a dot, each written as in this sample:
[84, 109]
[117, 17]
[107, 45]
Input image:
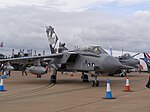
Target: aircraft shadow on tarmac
[79, 82]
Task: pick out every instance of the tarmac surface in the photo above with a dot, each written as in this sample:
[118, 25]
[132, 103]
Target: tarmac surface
[70, 94]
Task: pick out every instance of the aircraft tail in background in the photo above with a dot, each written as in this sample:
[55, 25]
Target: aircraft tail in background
[147, 60]
[146, 55]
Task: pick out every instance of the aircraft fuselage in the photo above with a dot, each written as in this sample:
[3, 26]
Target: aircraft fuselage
[85, 62]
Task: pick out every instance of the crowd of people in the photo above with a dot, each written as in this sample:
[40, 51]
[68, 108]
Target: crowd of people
[3, 70]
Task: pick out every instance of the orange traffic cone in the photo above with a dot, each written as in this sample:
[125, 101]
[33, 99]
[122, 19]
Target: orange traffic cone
[127, 86]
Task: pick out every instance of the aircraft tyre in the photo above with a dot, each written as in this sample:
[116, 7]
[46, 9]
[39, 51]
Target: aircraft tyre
[122, 75]
[95, 83]
[53, 79]
[38, 76]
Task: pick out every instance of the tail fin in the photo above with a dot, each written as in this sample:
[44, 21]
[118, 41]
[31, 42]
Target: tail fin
[52, 38]
[146, 57]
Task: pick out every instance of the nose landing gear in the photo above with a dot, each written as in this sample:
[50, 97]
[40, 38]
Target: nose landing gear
[95, 82]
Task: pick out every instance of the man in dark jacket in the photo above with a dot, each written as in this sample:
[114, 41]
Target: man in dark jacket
[24, 70]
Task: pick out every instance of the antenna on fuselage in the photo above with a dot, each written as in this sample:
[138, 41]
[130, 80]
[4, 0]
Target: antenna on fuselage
[110, 48]
[122, 49]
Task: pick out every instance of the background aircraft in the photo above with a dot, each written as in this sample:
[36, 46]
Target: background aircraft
[127, 59]
[146, 59]
[93, 60]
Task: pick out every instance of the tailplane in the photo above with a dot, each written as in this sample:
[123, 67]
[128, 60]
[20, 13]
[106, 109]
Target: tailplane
[146, 55]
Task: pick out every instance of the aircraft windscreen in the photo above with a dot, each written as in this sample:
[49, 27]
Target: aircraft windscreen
[127, 55]
[93, 49]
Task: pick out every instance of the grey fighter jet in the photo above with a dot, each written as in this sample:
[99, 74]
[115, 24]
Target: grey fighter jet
[129, 60]
[126, 59]
[92, 59]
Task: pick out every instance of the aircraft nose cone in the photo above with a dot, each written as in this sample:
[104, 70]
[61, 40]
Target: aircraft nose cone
[135, 62]
[111, 64]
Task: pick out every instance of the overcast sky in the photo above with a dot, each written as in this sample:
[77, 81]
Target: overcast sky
[106, 23]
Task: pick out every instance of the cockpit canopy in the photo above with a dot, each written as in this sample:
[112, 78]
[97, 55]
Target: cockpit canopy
[126, 55]
[92, 49]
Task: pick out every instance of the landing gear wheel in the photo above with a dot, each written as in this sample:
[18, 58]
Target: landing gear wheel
[93, 83]
[38, 76]
[53, 79]
[122, 75]
[97, 83]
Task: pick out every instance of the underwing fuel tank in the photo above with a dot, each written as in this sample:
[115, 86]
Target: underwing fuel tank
[37, 70]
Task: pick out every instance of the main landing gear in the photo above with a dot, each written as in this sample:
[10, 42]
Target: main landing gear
[53, 74]
[85, 77]
[53, 78]
[38, 76]
[123, 73]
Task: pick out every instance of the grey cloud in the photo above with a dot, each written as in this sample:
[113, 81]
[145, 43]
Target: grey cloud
[132, 34]
[24, 27]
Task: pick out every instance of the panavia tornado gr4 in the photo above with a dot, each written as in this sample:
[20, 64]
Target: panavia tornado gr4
[92, 59]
